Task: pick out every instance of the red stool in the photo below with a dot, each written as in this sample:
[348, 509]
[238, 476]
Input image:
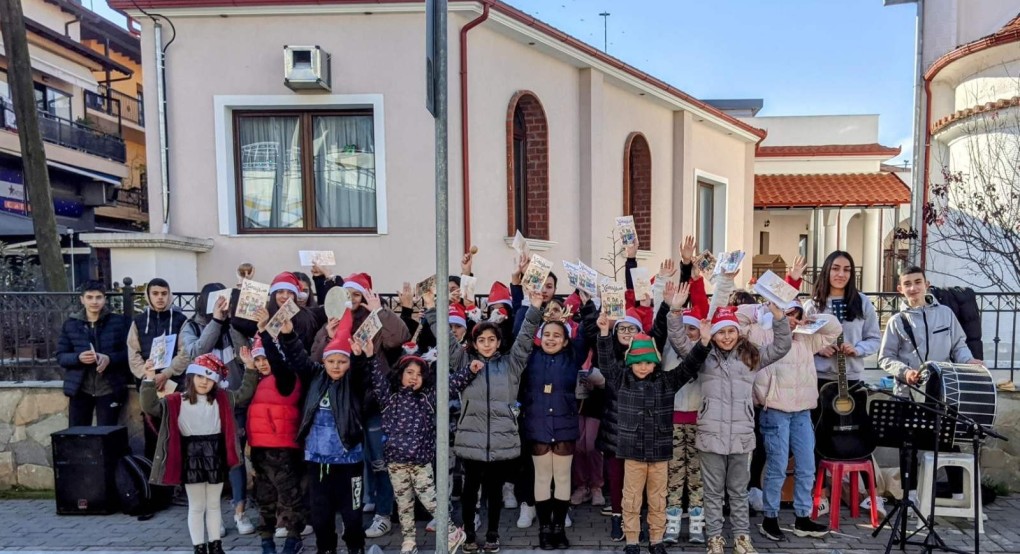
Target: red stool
[837, 469]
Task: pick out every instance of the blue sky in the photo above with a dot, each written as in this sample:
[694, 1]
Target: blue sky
[803, 57]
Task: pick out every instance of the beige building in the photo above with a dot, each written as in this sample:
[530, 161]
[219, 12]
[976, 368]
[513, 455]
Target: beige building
[547, 135]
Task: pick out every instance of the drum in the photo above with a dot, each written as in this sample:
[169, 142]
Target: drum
[967, 390]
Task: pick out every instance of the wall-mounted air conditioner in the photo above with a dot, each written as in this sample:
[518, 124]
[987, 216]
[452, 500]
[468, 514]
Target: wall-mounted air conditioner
[305, 68]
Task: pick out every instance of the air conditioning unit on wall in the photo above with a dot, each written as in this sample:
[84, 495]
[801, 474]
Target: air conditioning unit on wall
[306, 68]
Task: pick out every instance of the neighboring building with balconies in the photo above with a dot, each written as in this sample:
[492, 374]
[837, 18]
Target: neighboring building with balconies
[83, 67]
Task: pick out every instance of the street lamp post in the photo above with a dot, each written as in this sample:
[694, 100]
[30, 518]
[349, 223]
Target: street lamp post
[605, 31]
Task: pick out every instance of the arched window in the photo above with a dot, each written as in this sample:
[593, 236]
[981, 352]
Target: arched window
[527, 167]
[637, 186]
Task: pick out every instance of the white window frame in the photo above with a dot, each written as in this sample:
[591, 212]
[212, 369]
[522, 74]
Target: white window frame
[720, 186]
[226, 182]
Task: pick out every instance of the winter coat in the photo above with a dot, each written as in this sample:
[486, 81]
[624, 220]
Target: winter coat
[645, 406]
[547, 395]
[791, 384]
[409, 416]
[108, 336]
[273, 417]
[307, 321]
[205, 335]
[688, 398]
[487, 428]
[168, 460]
[726, 419]
[149, 325]
[938, 335]
[863, 333]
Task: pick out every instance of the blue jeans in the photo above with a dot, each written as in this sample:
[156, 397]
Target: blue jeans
[380, 489]
[783, 433]
[239, 475]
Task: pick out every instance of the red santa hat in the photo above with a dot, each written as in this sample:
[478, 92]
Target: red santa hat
[633, 318]
[359, 282]
[724, 317]
[692, 316]
[499, 294]
[341, 341]
[210, 367]
[458, 315]
[573, 303]
[285, 281]
[257, 349]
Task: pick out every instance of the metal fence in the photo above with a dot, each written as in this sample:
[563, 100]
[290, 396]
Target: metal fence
[70, 134]
[30, 326]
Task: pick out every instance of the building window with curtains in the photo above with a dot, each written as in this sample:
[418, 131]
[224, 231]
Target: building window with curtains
[706, 216]
[305, 172]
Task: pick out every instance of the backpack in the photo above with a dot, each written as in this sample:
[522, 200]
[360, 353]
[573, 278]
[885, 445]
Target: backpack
[137, 496]
[963, 302]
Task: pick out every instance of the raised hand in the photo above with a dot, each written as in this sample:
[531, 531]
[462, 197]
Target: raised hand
[776, 312]
[630, 250]
[679, 298]
[428, 299]
[605, 324]
[245, 354]
[221, 308]
[706, 331]
[355, 348]
[687, 249]
[668, 291]
[287, 327]
[262, 317]
[372, 301]
[406, 296]
[667, 269]
[476, 366]
[465, 263]
[331, 326]
[797, 270]
[535, 296]
[455, 295]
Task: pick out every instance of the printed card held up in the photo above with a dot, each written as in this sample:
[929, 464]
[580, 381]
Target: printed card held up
[729, 262]
[214, 297]
[774, 289]
[536, 274]
[468, 286]
[426, 286]
[368, 330]
[282, 315]
[162, 351]
[587, 279]
[572, 271]
[809, 327]
[317, 257]
[519, 243]
[642, 283]
[253, 296]
[614, 300]
[705, 262]
[628, 233]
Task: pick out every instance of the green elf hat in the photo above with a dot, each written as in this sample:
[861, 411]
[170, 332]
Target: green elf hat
[642, 349]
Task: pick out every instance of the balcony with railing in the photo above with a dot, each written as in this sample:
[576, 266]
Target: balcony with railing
[67, 133]
[116, 105]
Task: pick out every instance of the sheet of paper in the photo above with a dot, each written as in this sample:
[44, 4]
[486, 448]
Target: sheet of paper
[214, 296]
[168, 388]
[614, 300]
[425, 286]
[368, 330]
[254, 295]
[317, 257]
[642, 283]
[774, 289]
[336, 302]
[536, 274]
[810, 327]
[572, 273]
[519, 244]
[162, 351]
[468, 286]
[282, 315]
[728, 262]
[628, 233]
[587, 279]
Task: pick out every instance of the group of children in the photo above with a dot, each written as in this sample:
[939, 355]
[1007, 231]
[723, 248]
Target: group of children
[665, 397]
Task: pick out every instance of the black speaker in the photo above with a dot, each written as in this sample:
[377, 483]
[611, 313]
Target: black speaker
[84, 468]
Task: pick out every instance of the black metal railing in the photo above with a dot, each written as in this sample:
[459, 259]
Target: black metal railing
[117, 104]
[30, 326]
[69, 134]
[137, 198]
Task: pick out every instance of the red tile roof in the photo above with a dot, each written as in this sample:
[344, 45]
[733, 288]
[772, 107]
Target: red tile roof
[829, 190]
[873, 149]
[1010, 32]
[496, 5]
[1002, 104]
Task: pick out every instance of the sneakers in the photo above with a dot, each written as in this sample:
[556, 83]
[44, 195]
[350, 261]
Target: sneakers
[616, 534]
[673, 524]
[606, 510]
[470, 547]
[268, 546]
[742, 545]
[716, 545]
[408, 547]
[281, 532]
[527, 516]
[823, 506]
[491, 545]
[697, 525]
[567, 522]
[597, 499]
[657, 548]
[509, 500]
[804, 527]
[756, 499]
[632, 549]
[769, 529]
[379, 527]
[580, 496]
[293, 546]
[244, 526]
[455, 539]
[879, 505]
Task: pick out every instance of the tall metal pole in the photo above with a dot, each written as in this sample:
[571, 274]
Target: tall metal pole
[605, 31]
[442, 277]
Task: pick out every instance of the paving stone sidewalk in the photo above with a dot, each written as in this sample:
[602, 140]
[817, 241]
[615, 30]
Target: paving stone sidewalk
[34, 526]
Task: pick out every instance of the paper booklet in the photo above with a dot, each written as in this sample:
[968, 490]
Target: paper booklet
[282, 315]
[809, 327]
[776, 290]
[587, 279]
[729, 262]
[468, 285]
[369, 328]
[162, 351]
[254, 295]
[317, 257]
[642, 283]
[536, 274]
[614, 300]
[705, 262]
[214, 296]
[519, 243]
[572, 273]
[168, 388]
[628, 233]
[425, 286]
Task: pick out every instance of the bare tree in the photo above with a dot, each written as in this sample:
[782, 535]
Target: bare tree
[615, 255]
[973, 212]
[33, 154]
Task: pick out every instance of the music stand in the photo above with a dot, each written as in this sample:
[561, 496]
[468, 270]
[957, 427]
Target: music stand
[909, 427]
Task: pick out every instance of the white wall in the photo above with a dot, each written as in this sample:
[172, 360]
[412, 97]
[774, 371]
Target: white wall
[817, 129]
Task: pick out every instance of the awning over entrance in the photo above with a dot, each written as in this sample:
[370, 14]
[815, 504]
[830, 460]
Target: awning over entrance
[14, 225]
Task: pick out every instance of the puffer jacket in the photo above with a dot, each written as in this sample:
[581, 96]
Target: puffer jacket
[108, 336]
[548, 400]
[645, 406]
[688, 398]
[791, 384]
[726, 419]
[863, 333]
[487, 429]
[938, 334]
[274, 418]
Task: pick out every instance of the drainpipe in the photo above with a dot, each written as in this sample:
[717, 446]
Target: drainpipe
[926, 172]
[164, 148]
[464, 150]
[922, 101]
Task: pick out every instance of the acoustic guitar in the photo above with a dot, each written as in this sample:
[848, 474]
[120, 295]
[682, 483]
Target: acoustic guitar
[843, 431]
